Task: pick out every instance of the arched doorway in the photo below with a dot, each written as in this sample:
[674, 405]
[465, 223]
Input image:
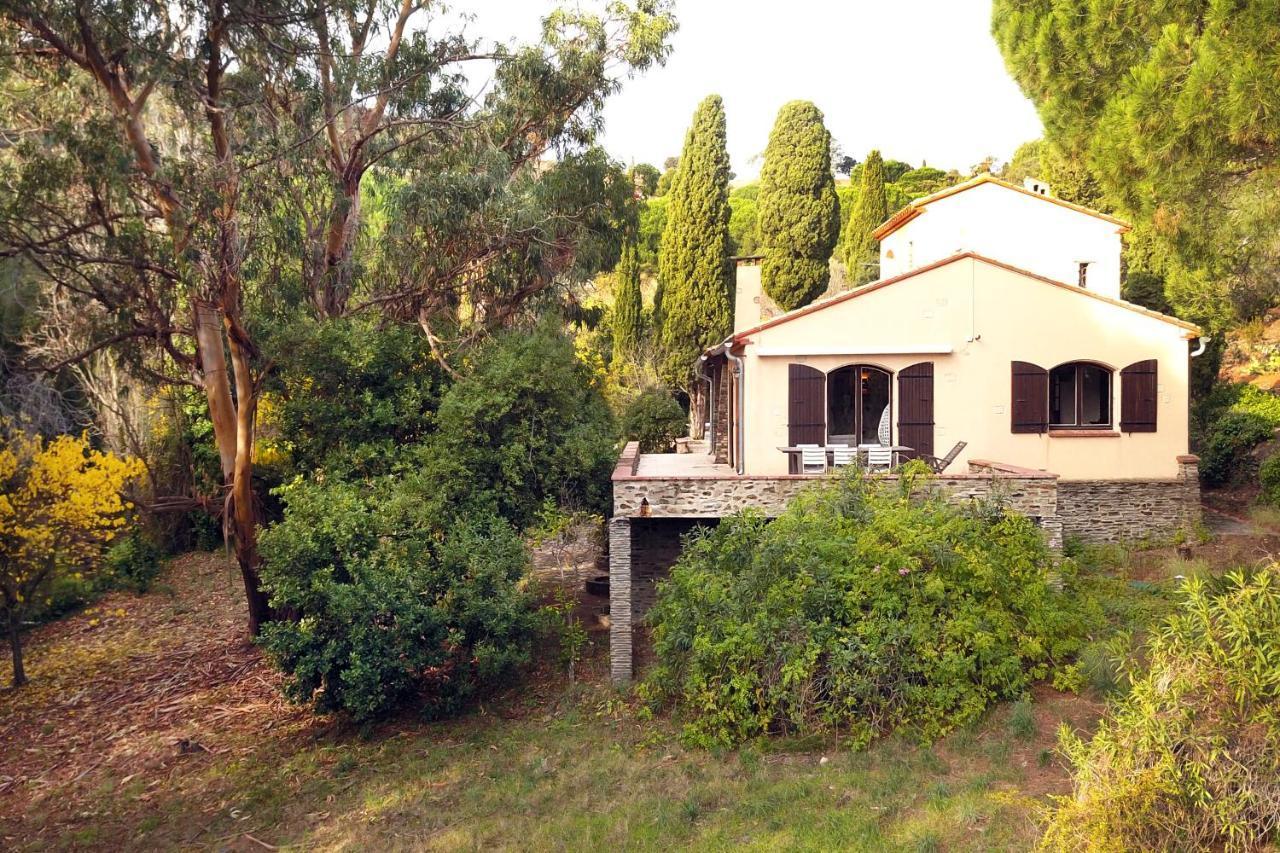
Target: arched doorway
[857, 404]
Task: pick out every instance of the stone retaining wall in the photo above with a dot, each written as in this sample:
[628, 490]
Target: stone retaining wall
[1131, 510]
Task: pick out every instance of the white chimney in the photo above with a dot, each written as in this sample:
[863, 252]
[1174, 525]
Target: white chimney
[1036, 186]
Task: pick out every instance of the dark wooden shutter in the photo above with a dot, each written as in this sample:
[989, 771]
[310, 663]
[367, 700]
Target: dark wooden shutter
[1029, 406]
[1138, 397]
[915, 409]
[807, 405]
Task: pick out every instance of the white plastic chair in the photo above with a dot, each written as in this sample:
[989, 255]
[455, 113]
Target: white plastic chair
[842, 455]
[879, 458]
[813, 459]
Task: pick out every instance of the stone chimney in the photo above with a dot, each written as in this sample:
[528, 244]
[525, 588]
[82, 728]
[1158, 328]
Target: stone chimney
[750, 305]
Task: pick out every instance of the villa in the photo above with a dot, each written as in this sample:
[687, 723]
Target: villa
[995, 346]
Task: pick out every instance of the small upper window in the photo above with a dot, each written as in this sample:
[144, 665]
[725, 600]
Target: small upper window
[1082, 277]
[1079, 396]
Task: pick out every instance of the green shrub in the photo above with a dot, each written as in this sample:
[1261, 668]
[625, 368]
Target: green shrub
[1269, 477]
[655, 420]
[1226, 424]
[394, 608]
[1225, 457]
[133, 561]
[526, 422]
[1022, 720]
[861, 609]
[1189, 759]
[354, 393]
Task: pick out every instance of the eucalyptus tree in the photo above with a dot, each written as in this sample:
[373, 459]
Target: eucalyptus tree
[195, 168]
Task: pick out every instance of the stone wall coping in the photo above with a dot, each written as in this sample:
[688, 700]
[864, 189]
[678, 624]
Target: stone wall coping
[1188, 459]
[1120, 481]
[1014, 470]
[628, 461]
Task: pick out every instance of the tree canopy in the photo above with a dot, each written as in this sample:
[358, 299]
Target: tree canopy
[192, 173]
[1172, 106]
[799, 212]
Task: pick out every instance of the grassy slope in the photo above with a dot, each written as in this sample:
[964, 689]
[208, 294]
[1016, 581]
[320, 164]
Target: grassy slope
[156, 725]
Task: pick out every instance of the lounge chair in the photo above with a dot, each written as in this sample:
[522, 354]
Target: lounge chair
[939, 464]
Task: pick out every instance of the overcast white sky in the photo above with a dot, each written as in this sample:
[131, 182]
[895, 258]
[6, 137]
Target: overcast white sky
[922, 80]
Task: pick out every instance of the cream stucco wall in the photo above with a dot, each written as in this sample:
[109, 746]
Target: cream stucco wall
[1013, 227]
[972, 318]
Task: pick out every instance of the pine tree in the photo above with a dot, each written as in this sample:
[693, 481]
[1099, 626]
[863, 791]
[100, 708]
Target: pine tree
[1171, 108]
[693, 304]
[858, 249]
[628, 306]
[799, 212]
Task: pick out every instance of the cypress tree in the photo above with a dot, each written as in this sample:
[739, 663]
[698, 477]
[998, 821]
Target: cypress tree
[693, 303]
[628, 307]
[858, 249]
[799, 212]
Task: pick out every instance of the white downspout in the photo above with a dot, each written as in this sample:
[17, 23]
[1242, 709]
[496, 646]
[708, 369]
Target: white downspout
[741, 405]
[711, 405]
[1204, 342]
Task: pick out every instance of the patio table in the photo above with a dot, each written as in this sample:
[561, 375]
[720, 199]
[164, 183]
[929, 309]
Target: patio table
[793, 455]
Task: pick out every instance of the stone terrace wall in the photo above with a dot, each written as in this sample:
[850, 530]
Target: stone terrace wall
[1131, 510]
[1033, 493]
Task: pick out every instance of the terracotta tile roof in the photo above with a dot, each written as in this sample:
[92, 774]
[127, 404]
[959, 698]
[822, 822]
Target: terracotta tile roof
[915, 208]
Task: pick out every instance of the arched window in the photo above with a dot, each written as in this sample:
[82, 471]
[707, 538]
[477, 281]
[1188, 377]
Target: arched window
[1079, 396]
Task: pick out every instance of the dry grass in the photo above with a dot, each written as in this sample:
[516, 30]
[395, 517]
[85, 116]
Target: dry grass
[151, 722]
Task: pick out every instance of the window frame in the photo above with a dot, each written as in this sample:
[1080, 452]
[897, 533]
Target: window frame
[1077, 367]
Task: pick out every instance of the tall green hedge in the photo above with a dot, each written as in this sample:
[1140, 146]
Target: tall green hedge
[799, 212]
[858, 249]
[694, 305]
[628, 305]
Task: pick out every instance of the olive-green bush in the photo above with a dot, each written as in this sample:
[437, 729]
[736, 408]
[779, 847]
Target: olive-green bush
[1189, 758]
[655, 420]
[394, 607]
[1228, 423]
[865, 607]
[525, 421]
[1269, 478]
[133, 561]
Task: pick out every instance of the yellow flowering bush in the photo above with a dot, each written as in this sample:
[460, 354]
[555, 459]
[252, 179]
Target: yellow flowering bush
[61, 501]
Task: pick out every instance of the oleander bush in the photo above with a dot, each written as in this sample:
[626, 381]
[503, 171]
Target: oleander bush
[1189, 758]
[864, 608]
